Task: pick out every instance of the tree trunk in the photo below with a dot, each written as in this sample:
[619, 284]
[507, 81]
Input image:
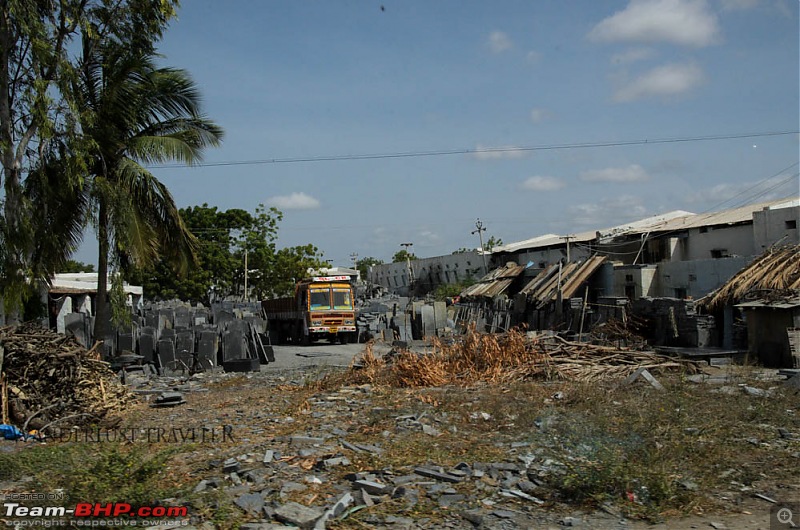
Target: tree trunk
[10, 172]
[102, 318]
[14, 281]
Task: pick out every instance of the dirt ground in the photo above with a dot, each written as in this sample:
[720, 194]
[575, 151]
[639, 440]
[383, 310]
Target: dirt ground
[299, 365]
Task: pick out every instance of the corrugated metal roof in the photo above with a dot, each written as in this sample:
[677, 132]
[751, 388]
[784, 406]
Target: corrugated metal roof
[731, 216]
[84, 282]
[547, 240]
[494, 283]
[544, 287]
[583, 273]
[676, 220]
[790, 303]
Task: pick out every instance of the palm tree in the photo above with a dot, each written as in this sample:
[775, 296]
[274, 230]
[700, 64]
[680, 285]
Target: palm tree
[135, 114]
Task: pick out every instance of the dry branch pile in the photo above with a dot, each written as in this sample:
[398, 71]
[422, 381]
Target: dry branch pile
[49, 378]
[512, 356]
[629, 333]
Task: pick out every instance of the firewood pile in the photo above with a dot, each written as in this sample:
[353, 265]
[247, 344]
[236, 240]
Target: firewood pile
[593, 362]
[51, 380]
[512, 356]
[616, 332]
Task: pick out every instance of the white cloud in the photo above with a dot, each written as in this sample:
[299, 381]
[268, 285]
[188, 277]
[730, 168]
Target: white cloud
[663, 82]
[499, 42]
[768, 190]
[542, 183]
[684, 22]
[533, 56]
[428, 237]
[497, 153]
[631, 56]
[607, 212]
[631, 173]
[539, 114]
[294, 201]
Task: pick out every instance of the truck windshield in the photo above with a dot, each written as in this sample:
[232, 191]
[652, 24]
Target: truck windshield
[341, 299]
[320, 299]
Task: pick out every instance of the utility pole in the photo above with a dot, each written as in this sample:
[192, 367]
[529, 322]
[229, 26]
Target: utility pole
[567, 238]
[480, 229]
[246, 296]
[354, 257]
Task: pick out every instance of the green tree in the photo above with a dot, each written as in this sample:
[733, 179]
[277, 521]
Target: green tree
[77, 266]
[364, 264]
[491, 243]
[402, 256]
[135, 114]
[39, 117]
[291, 265]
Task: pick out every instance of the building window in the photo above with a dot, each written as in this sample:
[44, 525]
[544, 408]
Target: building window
[791, 224]
[629, 277]
[680, 293]
[693, 277]
[703, 229]
[718, 253]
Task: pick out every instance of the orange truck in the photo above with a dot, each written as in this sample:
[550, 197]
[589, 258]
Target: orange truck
[322, 308]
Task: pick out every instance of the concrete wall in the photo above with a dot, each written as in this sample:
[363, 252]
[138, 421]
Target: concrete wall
[546, 256]
[736, 240]
[635, 281]
[430, 272]
[770, 226]
[696, 278]
[767, 337]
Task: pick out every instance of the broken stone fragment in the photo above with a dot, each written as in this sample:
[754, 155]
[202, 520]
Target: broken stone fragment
[298, 515]
[431, 473]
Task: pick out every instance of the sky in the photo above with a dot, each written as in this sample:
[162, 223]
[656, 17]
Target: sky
[534, 117]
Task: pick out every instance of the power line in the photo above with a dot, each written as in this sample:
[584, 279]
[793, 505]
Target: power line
[709, 214]
[475, 151]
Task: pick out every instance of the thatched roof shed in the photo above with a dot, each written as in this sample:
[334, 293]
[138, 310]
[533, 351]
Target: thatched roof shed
[773, 275]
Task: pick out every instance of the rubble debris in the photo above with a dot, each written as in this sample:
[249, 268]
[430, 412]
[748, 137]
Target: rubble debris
[169, 399]
[643, 373]
[50, 378]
